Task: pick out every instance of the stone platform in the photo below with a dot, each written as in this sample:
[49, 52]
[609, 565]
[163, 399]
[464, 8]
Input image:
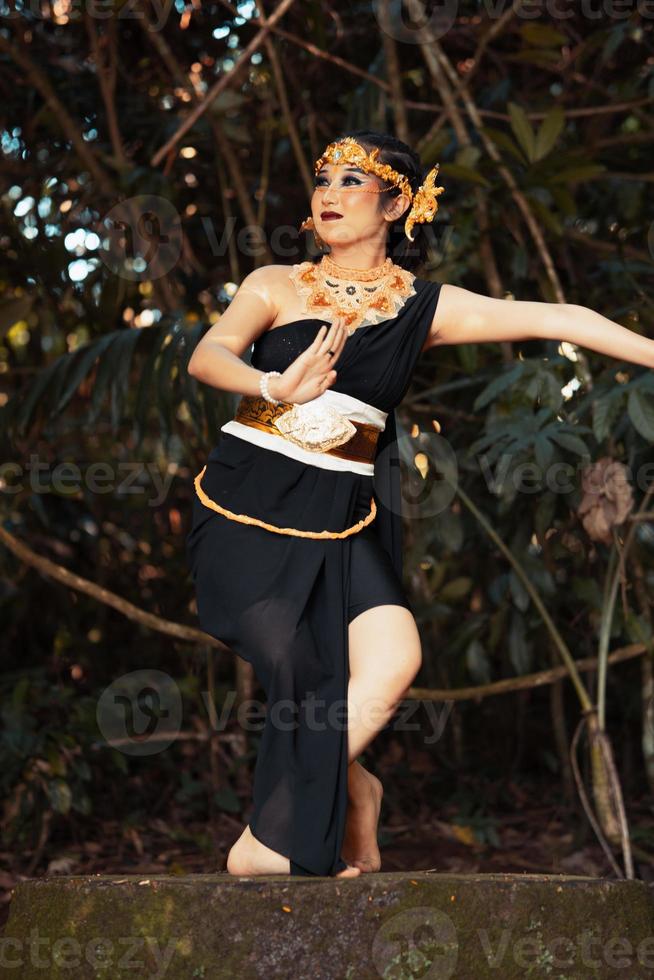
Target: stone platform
[390, 925]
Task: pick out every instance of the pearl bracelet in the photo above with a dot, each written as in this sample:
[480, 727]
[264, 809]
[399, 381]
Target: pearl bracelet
[263, 385]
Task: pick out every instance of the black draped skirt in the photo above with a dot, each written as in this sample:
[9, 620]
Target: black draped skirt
[283, 604]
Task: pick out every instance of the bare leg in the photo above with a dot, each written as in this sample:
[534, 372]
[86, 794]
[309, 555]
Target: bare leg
[385, 656]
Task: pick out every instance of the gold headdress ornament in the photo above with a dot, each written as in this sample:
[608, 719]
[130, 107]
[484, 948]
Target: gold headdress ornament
[423, 203]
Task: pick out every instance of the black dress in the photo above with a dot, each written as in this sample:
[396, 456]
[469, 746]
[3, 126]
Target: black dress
[283, 603]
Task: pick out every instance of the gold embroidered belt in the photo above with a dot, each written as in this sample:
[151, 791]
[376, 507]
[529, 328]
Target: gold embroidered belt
[313, 432]
[316, 429]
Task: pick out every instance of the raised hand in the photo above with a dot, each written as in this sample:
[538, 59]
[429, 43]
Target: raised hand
[312, 372]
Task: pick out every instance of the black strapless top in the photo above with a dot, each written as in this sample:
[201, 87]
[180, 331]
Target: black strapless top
[375, 365]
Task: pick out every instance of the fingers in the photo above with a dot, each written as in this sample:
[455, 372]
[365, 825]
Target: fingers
[333, 339]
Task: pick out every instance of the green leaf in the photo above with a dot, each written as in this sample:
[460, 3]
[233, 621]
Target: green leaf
[522, 130]
[477, 662]
[227, 800]
[544, 451]
[60, 795]
[79, 365]
[455, 589]
[498, 385]
[503, 140]
[460, 172]
[449, 531]
[468, 356]
[549, 131]
[576, 174]
[605, 412]
[518, 592]
[541, 57]
[546, 215]
[156, 337]
[165, 381]
[125, 346]
[542, 35]
[641, 412]
[638, 628]
[564, 200]
[82, 804]
[113, 369]
[571, 442]
[519, 647]
[28, 402]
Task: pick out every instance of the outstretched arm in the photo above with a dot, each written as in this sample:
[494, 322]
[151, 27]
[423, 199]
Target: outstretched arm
[464, 317]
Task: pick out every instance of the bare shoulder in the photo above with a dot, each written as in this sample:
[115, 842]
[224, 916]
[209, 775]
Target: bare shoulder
[264, 282]
[253, 308]
[465, 317]
[273, 284]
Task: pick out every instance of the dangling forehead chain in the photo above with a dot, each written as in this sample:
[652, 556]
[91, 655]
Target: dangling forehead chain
[423, 203]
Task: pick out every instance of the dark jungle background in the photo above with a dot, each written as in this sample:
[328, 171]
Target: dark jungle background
[152, 155]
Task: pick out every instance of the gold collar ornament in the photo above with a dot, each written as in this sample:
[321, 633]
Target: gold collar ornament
[360, 296]
[424, 204]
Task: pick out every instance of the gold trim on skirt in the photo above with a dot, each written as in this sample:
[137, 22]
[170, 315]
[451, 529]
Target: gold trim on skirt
[244, 519]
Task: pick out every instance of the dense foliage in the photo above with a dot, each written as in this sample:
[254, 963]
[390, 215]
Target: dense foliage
[135, 200]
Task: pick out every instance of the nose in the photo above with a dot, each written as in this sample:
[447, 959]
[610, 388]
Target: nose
[328, 194]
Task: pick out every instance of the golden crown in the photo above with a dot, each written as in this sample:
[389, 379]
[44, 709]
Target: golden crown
[423, 203]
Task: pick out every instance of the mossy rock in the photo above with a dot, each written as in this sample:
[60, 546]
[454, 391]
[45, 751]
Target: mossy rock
[397, 925]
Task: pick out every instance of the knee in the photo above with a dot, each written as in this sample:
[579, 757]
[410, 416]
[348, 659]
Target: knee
[411, 665]
[406, 670]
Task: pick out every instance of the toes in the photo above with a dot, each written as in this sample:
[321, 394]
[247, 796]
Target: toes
[350, 872]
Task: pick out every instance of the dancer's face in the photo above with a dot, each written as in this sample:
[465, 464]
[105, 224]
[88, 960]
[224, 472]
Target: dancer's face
[354, 194]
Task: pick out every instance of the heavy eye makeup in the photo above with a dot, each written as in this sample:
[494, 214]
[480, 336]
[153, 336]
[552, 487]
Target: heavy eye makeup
[318, 180]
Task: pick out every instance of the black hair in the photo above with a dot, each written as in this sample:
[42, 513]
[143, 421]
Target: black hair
[400, 156]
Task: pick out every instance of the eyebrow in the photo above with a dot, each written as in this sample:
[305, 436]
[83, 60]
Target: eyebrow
[356, 170]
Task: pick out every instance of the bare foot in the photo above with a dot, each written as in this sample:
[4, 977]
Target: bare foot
[360, 846]
[350, 872]
[248, 856]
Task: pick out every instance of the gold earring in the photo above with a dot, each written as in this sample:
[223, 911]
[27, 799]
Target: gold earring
[308, 225]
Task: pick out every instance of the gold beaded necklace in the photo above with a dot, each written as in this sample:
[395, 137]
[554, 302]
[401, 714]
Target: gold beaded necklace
[360, 296]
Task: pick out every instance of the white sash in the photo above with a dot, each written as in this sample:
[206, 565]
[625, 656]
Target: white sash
[352, 408]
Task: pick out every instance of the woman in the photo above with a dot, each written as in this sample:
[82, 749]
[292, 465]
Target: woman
[295, 547]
